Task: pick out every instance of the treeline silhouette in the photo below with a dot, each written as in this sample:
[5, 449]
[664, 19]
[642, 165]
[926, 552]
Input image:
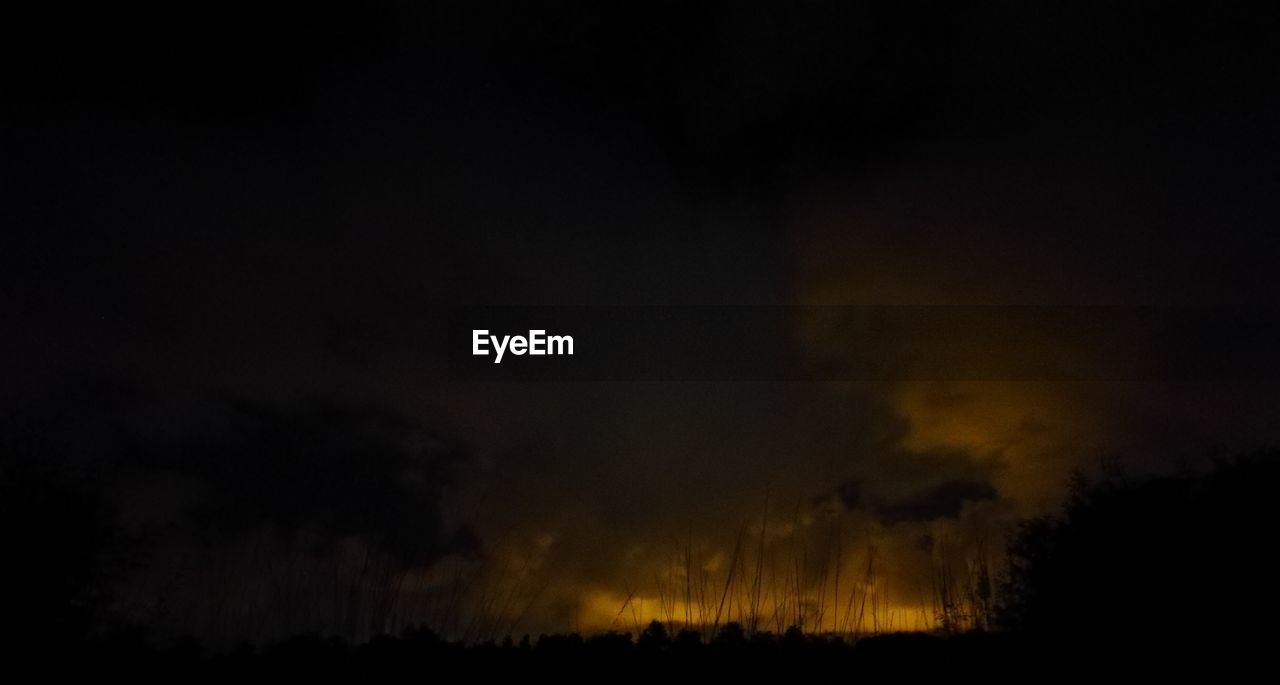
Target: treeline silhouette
[1156, 573]
[653, 654]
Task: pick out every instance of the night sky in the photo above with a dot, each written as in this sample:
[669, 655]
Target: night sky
[230, 238]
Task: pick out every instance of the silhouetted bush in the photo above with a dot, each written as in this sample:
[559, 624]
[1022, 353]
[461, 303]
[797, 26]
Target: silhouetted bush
[60, 547]
[654, 636]
[730, 636]
[1177, 561]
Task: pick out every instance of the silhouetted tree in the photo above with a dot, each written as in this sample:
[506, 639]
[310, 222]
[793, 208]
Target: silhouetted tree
[654, 636]
[60, 546]
[1155, 563]
[731, 635]
[688, 639]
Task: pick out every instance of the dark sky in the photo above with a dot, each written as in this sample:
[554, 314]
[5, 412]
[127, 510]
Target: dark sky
[230, 235]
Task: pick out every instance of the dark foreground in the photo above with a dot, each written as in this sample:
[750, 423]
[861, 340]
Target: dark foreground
[1137, 578]
[896, 658]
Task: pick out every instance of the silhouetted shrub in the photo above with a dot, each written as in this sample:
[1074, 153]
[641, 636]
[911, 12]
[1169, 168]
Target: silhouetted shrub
[61, 546]
[654, 636]
[1168, 561]
[731, 636]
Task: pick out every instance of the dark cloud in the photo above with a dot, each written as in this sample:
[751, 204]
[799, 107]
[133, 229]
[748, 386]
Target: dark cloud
[231, 468]
[917, 486]
[850, 494]
[331, 473]
[944, 500]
